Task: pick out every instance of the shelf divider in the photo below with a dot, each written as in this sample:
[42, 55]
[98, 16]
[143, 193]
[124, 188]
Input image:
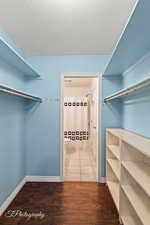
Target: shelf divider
[114, 190]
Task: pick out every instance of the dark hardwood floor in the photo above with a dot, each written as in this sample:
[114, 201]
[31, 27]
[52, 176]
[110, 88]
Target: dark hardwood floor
[69, 203]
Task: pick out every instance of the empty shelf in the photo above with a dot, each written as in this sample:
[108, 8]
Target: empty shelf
[115, 167]
[115, 149]
[140, 143]
[139, 204]
[141, 173]
[114, 190]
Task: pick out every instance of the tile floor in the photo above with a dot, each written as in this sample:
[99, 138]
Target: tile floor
[79, 163]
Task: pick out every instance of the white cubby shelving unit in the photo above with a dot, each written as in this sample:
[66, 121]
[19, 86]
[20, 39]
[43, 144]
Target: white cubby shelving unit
[128, 175]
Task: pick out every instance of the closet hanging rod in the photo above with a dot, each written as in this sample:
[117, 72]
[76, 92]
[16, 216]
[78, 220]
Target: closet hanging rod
[14, 92]
[130, 90]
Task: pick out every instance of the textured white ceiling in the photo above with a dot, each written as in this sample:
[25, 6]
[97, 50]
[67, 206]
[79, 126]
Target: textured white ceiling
[47, 27]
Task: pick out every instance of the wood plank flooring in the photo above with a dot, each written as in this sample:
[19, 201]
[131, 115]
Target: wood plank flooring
[69, 203]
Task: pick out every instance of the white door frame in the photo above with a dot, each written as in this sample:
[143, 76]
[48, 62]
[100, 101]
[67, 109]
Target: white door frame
[80, 75]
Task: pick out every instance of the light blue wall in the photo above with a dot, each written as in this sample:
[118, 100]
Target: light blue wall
[10, 76]
[12, 132]
[43, 125]
[12, 154]
[138, 71]
[136, 116]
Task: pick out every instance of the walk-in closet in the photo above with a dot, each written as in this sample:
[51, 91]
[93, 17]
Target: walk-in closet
[74, 112]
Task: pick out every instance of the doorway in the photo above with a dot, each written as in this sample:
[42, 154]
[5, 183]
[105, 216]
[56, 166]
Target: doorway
[80, 126]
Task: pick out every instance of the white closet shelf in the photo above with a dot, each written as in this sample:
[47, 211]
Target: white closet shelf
[114, 190]
[129, 220]
[12, 57]
[138, 203]
[133, 168]
[14, 92]
[140, 143]
[115, 167]
[141, 174]
[130, 90]
[115, 149]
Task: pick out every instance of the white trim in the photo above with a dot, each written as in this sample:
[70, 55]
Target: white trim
[43, 179]
[61, 113]
[99, 76]
[11, 197]
[81, 75]
[102, 180]
[100, 105]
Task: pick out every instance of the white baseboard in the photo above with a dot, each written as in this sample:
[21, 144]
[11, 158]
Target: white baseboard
[43, 179]
[102, 180]
[11, 197]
